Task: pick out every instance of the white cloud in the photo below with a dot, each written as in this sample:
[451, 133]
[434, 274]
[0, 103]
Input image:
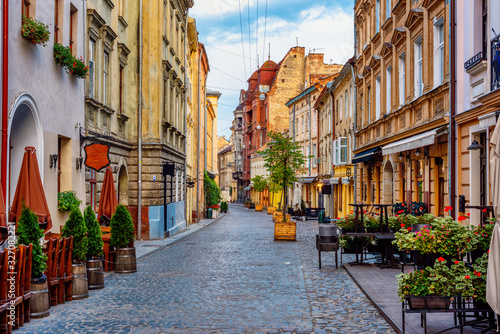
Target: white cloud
[217, 7]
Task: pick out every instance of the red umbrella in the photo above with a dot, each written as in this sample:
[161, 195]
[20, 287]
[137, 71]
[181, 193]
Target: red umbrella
[29, 191]
[108, 201]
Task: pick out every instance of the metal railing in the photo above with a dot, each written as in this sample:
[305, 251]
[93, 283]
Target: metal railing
[476, 59]
[495, 63]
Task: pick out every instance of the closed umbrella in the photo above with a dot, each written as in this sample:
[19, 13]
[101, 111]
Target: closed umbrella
[108, 200]
[297, 196]
[493, 276]
[29, 191]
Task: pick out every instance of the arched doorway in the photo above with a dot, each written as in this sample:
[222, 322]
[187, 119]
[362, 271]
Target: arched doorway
[24, 130]
[123, 186]
[388, 183]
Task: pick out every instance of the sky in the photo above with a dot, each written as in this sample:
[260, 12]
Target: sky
[236, 47]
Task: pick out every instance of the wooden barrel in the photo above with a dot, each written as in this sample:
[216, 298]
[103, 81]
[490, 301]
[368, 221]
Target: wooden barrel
[80, 282]
[125, 260]
[39, 301]
[95, 274]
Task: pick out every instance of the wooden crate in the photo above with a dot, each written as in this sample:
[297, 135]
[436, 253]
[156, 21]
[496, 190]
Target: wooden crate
[285, 231]
[259, 207]
[271, 210]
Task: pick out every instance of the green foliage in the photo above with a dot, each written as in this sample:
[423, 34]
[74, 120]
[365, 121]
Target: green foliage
[29, 232]
[259, 183]
[67, 200]
[483, 235]
[35, 31]
[94, 250]
[122, 228]
[283, 157]
[418, 208]
[75, 226]
[224, 206]
[479, 277]
[400, 208]
[212, 191]
[71, 64]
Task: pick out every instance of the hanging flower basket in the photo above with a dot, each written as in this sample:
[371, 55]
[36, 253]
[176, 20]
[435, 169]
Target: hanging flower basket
[72, 65]
[35, 31]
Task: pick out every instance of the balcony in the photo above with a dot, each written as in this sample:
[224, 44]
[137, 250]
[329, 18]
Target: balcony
[249, 128]
[476, 64]
[237, 175]
[495, 63]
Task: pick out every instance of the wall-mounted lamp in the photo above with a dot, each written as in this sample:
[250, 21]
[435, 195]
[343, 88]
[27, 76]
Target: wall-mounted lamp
[475, 145]
[418, 152]
[53, 160]
[401, 156]
[79, 161]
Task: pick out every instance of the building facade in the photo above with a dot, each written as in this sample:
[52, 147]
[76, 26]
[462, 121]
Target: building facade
[226, 168]
[38, 114]
[237, 140]
[402, 84]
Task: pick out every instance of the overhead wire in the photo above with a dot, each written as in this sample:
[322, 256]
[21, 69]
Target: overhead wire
[265, 26]
[242, 42]
[249, 36]
[229, 75]
[233, 53]
[257, 35]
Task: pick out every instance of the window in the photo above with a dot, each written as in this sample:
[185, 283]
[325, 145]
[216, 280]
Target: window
[340, 108]
[307, 122]
[57, 22]
[308, 158]
[485, 27]
[368, 105]
[388, 87]
[377, 16]
[377, 98]
[343, 150]
[91, 67]
[345, 104]
[120, 102]
[105, 78]
[314, 155]
[361, 108]
[73, 28]
[336, 152]
[438, 52]
[303, 124]
[402, 82]
[418, 68]
[92, 182]
[297, 125]
[387, 9]
[26, 7]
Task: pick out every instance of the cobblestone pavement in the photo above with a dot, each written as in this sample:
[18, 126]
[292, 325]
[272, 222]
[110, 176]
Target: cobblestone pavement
[231, 277]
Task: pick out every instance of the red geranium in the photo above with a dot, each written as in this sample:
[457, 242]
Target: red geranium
[460, 218]
[456, 261]
[448, 208]
[441, 259]
[467, 277]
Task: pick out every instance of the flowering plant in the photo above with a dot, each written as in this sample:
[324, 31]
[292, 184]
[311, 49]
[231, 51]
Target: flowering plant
[72, 65]
[483, 235]
[479, 277]
[35, 31]
[399, 208]
[418, 208]
[215, 207]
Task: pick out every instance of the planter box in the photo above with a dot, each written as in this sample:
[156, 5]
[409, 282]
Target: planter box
[270, 210]
[259, 207]
[278, 216]
[285, 231]
[429, 302]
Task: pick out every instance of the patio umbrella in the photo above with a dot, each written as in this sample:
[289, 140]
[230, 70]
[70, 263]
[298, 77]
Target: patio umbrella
[297, 194]
[493, 276]
[29, 191]
[108, 201]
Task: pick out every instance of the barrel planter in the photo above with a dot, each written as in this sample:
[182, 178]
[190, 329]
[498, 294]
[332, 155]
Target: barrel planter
[285, 230]
[270, 210]
[80, 281]
[95, 274]
[125, 260]
[39, 301]
[259, 207]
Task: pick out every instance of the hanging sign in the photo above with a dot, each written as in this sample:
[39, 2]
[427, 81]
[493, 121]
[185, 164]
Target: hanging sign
[97, 156]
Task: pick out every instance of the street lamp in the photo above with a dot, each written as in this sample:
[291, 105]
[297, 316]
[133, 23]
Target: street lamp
[474, 145]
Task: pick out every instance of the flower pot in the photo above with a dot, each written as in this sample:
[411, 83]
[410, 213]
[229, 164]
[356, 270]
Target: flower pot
[125, 260]
[95, 274]
[39, 301]
[259, 207]
[285, 230]
[80, 281]
[270, 210]
[429, 302]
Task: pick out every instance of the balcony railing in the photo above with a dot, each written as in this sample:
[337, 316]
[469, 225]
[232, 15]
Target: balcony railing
[476, 59]
[495, 63]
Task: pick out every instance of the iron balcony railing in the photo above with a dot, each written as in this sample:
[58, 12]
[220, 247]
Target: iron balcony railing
[495, 63]
[476, 59]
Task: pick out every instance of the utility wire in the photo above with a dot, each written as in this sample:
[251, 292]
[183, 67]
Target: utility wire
[233, 53]
[249, 36]
[257, 35]
[242, 43]
[211, 66]
[224, 88]
[265, 26]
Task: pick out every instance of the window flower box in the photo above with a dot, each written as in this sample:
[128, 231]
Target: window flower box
[71, 64]
[35, 31]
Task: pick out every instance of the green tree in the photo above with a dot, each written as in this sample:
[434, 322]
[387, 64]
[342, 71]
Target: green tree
[259, 183]
[75, 227]
[122, 228]
[29, 232]
[96, 244]
[282, 158]
[212, 191]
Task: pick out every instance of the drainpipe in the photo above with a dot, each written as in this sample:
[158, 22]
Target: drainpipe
[185, 121]
[198, 146]
[355, 127]
[332, 195]
[310, 136]
[139, 132]
[5, 91]
[452, 133]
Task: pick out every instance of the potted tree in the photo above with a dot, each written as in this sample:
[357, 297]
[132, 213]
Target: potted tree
[282, 158]
[259, 185]
[75, 227]
[29, 232]
[95, 272]
[122, 237]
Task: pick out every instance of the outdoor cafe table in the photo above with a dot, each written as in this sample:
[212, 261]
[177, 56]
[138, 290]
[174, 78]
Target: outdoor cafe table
[359, 231]
[385, 236]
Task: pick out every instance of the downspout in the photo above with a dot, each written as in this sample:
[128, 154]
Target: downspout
[185, 120]
[310, 136]
[452, 133]
[354, 130]
[198, 146]
[5, 91]
[139, 132]
[332, 195]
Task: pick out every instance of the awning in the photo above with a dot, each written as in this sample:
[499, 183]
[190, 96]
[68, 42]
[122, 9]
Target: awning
[246, 189]
[420, 140]
[334, 181]
[366, 155]
[306, 180]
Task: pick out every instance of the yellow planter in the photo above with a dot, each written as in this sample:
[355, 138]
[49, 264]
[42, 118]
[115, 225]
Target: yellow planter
[270, 210]
[278, 216]
[259, 207]
[285, 230]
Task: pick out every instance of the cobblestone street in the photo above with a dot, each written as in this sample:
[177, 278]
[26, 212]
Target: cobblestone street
[230, 277]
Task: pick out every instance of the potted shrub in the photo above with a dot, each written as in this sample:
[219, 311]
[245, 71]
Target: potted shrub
[66, 200]
[483, 235]
[122, 237]
[75, 227]
[29, 232]
[259, 185]
[95, 272]
[223, 207]
[215, 210]
[71, 64]
[35, 31]
[212, 191]
[282, 158]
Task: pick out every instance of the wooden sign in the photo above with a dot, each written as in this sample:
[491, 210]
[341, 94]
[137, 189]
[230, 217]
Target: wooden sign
[97, 156]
